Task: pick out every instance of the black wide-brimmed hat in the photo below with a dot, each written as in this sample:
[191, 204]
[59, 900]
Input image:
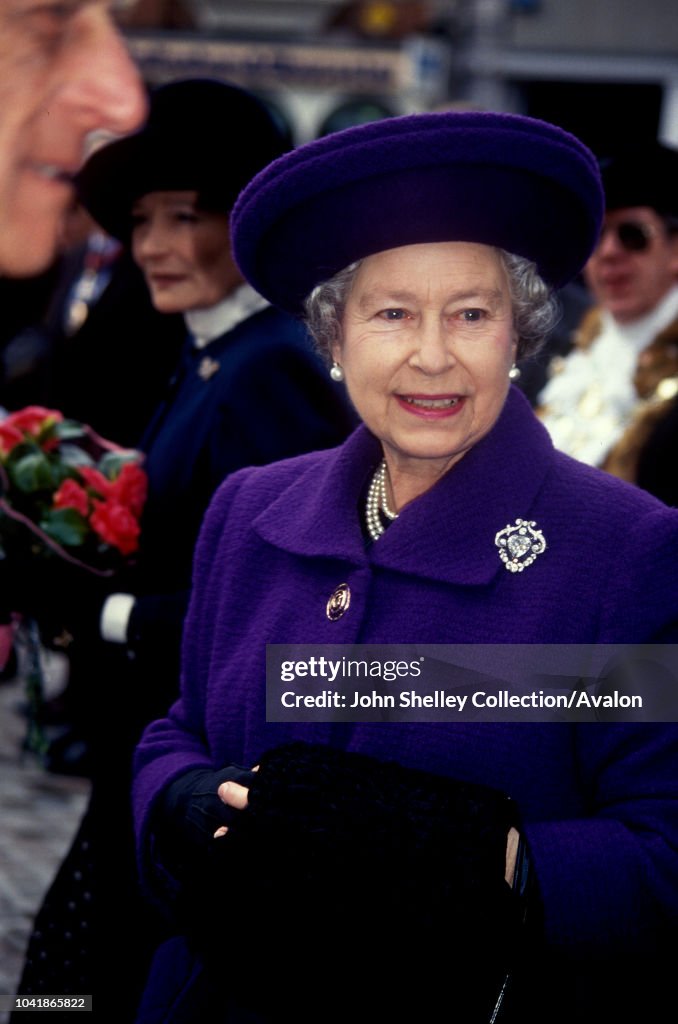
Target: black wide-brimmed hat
[645, 174]
[498, 179]
[201, 134]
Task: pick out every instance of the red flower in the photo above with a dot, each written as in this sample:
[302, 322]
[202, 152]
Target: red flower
[9, 437]
[33, 418]
[95, 479]
[104, 498]
[130, 488]
[116, 525]
[27, 422]
[72, 495]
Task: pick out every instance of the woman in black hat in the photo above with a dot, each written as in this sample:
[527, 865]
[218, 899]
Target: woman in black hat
[248, 389]
[332, 884]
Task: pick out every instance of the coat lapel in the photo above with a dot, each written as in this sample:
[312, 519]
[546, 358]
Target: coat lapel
[448, 534]
[318, 514]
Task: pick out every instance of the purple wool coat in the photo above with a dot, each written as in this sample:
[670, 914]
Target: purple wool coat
[599, 801]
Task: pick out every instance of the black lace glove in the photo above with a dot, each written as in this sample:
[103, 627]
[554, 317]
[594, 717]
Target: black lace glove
[366, 884]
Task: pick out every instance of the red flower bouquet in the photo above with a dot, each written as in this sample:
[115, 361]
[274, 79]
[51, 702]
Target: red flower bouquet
[70, 502]
[65, 491]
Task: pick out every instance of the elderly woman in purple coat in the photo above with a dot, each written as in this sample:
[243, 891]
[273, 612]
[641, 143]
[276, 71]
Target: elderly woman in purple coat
[412, 870]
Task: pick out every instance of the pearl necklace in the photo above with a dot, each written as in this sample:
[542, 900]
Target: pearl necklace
[377, 503]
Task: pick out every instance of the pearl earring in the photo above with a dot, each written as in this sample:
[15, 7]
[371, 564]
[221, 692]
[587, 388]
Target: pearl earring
[336, 373]
[514, 372]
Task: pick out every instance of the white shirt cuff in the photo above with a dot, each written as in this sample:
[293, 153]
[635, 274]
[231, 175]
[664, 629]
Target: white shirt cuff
[115, 616]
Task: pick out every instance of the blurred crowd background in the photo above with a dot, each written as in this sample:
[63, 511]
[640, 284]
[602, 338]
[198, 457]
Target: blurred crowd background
[606, 70]
[599, 68]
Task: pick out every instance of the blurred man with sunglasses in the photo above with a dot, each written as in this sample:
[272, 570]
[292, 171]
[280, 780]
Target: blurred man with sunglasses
[605, 400]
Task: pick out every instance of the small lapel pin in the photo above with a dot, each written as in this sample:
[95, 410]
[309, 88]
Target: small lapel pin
[207, 367]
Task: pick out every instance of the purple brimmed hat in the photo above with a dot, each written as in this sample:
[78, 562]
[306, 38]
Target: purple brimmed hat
[499, 179]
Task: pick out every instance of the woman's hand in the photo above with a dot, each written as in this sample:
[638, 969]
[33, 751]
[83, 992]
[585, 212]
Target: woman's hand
[512, 841]
[235, 796]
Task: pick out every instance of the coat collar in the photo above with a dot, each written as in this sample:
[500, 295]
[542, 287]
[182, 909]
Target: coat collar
[448, 534]
[206, 325]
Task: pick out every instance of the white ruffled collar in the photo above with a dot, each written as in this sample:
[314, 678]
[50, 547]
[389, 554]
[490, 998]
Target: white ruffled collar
[639, 333]
[207, 325]
[588, 403]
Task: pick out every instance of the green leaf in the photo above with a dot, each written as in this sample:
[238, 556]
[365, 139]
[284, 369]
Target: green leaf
[66, 526]
[111, 463]
[34, 472]
[68, 430]
[73, 456]
[46, 435]
[20, 450]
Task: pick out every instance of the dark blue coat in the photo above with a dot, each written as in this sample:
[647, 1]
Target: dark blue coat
[255, 395]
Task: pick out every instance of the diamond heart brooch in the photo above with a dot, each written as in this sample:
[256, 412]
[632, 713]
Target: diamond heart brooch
[520, 544]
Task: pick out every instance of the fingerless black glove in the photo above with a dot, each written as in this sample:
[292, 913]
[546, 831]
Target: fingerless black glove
[190, 811]
[182, 829]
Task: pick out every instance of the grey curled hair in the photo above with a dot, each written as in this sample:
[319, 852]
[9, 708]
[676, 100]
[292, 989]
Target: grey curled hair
[535, 306]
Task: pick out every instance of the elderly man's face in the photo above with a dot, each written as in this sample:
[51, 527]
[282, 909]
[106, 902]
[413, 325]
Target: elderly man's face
[629, 282]
[64, 72]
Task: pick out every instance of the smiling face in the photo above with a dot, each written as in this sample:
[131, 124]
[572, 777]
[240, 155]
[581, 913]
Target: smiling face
[427, 343]
[630, 283]
[64, 72]
[184, 252]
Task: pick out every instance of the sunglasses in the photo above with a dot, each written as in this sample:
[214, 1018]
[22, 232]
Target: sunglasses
[632, 235]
